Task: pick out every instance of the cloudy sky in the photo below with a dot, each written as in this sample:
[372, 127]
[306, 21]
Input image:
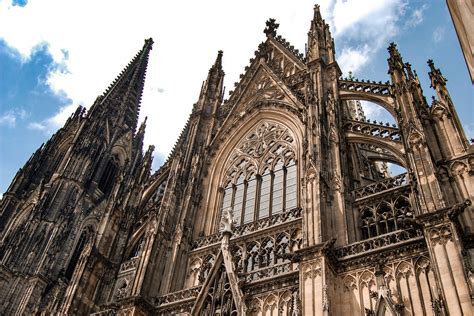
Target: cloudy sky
[56, 55]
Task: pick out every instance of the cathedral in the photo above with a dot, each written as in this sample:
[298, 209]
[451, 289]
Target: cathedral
[276, 201]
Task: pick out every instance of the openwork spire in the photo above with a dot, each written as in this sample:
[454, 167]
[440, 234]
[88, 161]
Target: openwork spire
[121, 100]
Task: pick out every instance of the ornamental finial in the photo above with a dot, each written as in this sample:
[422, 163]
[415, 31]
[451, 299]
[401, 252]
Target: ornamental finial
[271, 27]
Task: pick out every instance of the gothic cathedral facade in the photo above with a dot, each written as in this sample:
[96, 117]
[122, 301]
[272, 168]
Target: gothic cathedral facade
[276, 201]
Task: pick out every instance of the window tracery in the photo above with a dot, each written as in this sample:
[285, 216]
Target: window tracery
[384, 217]
[261, 179]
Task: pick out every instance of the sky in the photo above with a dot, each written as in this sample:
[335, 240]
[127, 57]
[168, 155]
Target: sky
[56, 55]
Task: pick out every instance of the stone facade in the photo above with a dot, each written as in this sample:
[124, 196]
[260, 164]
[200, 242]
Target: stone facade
[276, 201]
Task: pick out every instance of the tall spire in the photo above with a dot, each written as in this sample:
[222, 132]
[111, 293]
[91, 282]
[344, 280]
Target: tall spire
[121, 100]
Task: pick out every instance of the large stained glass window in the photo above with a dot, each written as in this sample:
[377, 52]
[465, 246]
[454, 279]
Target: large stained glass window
[262, 180]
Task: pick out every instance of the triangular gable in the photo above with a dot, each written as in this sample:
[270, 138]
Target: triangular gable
[265, 85]
[220, 292]
[284, 52]
[259, 84]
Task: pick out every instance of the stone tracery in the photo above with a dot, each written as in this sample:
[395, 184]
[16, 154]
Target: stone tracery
[261, 178]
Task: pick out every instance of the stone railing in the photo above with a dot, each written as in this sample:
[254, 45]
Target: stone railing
[260, 224]
[363, 247]
[377, 187]
[129, 265]
[268, 222]
[376, 130]
[183, 295]
[268, 272]
[362, 86]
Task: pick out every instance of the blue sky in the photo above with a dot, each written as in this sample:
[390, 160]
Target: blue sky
[55, 55]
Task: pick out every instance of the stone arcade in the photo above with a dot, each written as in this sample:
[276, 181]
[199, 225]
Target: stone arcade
[276, 201]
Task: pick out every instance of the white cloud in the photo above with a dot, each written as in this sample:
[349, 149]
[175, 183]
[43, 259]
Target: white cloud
[10, 118]
[438, 34]
[364, 27]
[373, 111]
[92, 41]
[37, 126]
[352, 59]
[416, 16]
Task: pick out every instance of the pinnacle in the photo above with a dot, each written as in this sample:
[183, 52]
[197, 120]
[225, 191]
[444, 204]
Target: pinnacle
[392, 49]
[141, 130]
[317, 13]
[218, 62]
[431, 64]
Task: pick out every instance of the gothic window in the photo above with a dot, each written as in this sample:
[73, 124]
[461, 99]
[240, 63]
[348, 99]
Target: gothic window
[81, 243]
[135, 252]
[385, 217]
[277, 188]
[265, 190]
[106, 181]
[261, 180]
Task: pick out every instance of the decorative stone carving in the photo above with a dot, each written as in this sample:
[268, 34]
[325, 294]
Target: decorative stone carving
[266, 135]
[415, 137]
[325, 298]
[311, 270]
[440, 234]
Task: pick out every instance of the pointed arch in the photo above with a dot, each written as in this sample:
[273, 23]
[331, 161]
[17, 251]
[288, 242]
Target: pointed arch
[224, 154]
[85, 238]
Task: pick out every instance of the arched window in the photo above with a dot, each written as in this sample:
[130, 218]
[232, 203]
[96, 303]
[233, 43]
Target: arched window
[290, 185]
[277, 188]
[261, 180]
[265, 190]
[135, 252]
[85, 237]
[249, 208]
[106, 181]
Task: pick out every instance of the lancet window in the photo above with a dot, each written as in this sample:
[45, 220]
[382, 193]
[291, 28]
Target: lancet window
[108, 176]
[85, 237]
[261, 180]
